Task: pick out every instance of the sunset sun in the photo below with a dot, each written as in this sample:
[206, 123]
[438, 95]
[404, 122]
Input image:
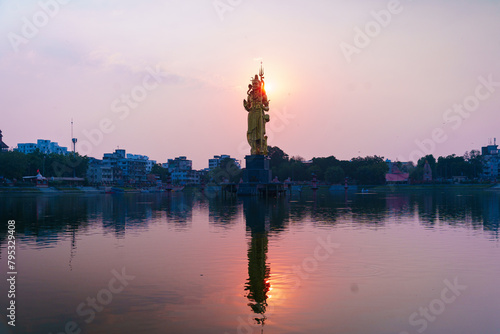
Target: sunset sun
[268, 87]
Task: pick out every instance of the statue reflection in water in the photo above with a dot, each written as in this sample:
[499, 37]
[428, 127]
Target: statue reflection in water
[261, 217]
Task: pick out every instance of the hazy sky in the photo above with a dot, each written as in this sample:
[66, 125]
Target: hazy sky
[167, 78]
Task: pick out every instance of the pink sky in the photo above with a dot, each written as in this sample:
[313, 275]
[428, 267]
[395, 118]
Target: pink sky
[394, 91]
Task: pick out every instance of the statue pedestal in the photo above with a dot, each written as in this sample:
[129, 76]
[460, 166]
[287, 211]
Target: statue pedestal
[256, 175]
[257, 169]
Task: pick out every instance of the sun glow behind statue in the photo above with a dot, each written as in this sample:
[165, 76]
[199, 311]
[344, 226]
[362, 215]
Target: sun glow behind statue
[268, 87]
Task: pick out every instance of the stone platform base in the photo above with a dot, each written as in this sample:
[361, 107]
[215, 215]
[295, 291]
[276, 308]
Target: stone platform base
[257, 169]
[255, 176]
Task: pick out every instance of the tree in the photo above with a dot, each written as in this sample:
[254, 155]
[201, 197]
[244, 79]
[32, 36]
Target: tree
[417, 173]
[373, 174]
[226, 171]
[284, 171]
[453, 165]
[430, 159]
[475, 160]
[35, 162]
[298, 169]
[276, 156]
[316, 171]
[334, 174]
[368, 170]
[69, 165]
[161, 172]
[13, 165]
[296, 158]
[17, 164]
[322, 164]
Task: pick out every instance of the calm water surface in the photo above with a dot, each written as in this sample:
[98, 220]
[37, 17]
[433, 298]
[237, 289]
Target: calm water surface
[184, 263]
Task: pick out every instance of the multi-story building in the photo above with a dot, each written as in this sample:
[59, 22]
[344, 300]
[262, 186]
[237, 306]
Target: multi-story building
[98, 173]
[178, 164]
[43, 145]
[181, 171]
[491, 161]
[217, 160]
[149, 165]
[186, 177]
[119, 167]
[136, 167]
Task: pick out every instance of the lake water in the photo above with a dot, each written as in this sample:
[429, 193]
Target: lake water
[412, 262]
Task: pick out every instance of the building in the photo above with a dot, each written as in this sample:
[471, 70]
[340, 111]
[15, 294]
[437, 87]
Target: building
[491, 161]
[127, 168]
[398, 172]
[181, 171]
[491, 149]
[186, 177]
[140, 164]
[427, 172]
[39, 180]
[3, 147]
[43, 145]
[155, 180]
[149, 165]
[217, 160]
[178, 164]
[120, 168]
[98, 173]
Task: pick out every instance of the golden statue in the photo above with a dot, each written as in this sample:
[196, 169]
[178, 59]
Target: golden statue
[257, 104]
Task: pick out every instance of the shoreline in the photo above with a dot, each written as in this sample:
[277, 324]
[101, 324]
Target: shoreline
[371, 188]
[427, 187]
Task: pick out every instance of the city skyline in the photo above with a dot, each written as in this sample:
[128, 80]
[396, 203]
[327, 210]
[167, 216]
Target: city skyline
[27, 148]
[386, 78]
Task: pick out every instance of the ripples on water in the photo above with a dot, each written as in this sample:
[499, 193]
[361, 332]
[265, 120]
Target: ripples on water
[361, 264]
